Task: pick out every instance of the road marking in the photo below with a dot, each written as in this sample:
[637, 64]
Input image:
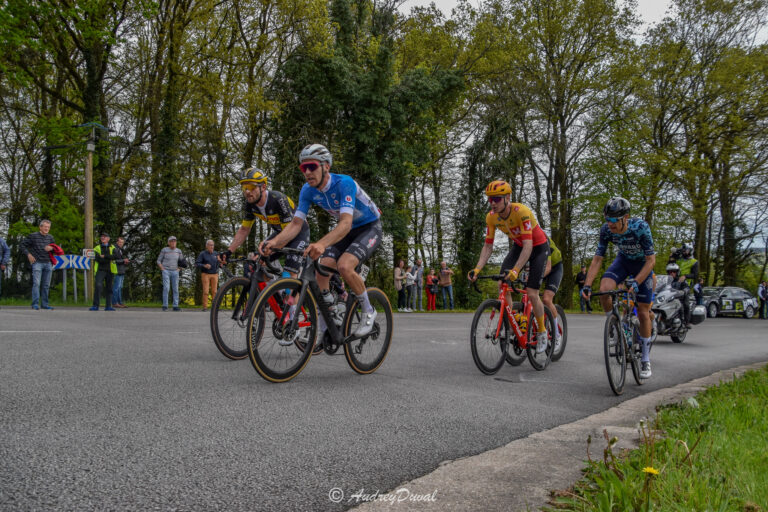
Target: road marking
[30, 332]
[187, 332]
[436, 342]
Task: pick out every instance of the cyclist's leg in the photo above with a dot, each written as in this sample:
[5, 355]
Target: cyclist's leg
[293, 262]
[509, 263]
[538, 261]
[366, 240]
[615, 274]
[551, 285]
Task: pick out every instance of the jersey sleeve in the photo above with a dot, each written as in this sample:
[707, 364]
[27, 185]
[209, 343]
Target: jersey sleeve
[284, 209]
[348, 192]
[526, 222]
[490, 229]
[304, 202]
[248, 217]
[603, 241]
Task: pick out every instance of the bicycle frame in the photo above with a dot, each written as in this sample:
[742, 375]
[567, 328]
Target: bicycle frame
[520, 333]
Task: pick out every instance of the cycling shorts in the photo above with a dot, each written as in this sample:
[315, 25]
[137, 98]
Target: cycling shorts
[293, 262]
[360, 242]
[537, 260]
[553, 279]
[622, 267]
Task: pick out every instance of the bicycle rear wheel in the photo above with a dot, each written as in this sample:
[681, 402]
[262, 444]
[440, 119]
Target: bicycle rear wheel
[557, 354]
[366, 354]
[228, 320]
[489, 337]
[277, 352]
[635, 355]
[615, 355]
[540, 360]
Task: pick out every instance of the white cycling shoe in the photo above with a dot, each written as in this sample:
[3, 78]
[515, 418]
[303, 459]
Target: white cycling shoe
[541, 342]
[366, 324]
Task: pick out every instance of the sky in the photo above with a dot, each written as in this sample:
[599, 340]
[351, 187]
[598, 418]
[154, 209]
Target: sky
[651, 11]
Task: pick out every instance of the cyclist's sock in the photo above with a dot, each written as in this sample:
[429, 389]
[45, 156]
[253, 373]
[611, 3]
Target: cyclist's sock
[321, 327]
[645, 343]
[541, 324]
[608, 313]
[366, 304]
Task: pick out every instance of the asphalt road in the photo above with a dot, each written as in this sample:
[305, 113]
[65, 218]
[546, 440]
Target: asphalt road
[137, 409]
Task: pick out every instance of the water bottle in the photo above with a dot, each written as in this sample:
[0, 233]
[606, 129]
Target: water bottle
[523, 323]
[330, 301]
[341, 309]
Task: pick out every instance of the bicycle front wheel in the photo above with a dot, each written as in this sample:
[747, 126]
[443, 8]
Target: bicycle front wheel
[489, 338]
[540, 360]
[557, 353]
[277, 351]
[366, 354]
[635, 355]
[615, 354]
[228, 318]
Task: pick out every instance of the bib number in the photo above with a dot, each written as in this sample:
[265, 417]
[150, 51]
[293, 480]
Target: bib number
[364, 272]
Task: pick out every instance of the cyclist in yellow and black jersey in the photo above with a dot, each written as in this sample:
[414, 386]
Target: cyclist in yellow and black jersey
[553, 276]
[274, 208]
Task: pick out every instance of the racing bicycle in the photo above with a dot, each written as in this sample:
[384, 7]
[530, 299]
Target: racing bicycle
[282, 342]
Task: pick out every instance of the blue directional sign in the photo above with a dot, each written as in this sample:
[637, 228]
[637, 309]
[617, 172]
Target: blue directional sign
[72, 261]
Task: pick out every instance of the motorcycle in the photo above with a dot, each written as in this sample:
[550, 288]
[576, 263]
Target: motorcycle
[668, 310]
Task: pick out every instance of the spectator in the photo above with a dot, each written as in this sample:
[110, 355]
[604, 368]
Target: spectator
[37, 248]
[208, 263]
[698, 292]
[5, 254]
[418, 286]
[409, 286]
[763, 297]
[121, 260]
[168, 261]
[581, 277]
[444, 280]
[104, 268]
[431, 290]
[399, 286]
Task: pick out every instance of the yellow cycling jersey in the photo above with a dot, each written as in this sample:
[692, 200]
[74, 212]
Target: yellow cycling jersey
[520, 225]
[555, 256]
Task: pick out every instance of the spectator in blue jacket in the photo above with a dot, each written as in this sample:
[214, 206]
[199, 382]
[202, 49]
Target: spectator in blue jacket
[208, 263]
[5, 255]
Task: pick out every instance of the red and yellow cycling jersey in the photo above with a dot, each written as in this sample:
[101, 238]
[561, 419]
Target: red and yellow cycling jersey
[520, 225]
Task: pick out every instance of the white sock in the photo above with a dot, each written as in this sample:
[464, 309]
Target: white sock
[365, 303]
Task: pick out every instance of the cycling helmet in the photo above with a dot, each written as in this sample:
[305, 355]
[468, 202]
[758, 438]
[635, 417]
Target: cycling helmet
[616, 207]
[498, 188]
[673, 267]
[253, 175]
[316, 152]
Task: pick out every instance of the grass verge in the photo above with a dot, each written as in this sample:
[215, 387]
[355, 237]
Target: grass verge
[707, 453]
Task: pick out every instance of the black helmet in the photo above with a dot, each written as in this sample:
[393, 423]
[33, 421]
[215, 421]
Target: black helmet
[687, 250]
[616, 207]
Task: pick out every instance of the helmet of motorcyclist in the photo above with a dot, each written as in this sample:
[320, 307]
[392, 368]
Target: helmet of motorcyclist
[673, 267]
[687, 250]
[616, 207]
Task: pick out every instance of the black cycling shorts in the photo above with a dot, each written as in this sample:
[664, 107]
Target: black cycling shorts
[360, 242]
[537, 260]
[293, 262]
[553, 279]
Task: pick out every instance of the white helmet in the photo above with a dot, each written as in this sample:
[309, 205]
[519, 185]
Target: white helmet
[673, 267]
[316, 152]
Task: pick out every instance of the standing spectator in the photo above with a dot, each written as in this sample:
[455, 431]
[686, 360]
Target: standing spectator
[168, 261]
[104, 268]
[208, 263]
[698, 292]
[762, 294]
[418, 286]
[5, 254]
[581, 277]
[121, 260]
[37, 247]
[409, 286]
[399, 286]
[431, 290]
[445, 283]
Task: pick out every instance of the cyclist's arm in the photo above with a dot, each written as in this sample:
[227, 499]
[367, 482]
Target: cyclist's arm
[341, 230]
[524, 254]
[240, 237]
[485, 255]
[650, 261]
[594, 268]
[288, 233]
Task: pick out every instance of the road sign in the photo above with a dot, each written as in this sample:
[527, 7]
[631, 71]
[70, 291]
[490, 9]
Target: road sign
[72, 261]
[89, 253]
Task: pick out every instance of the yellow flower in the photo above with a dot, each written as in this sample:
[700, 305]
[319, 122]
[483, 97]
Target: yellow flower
[650, 470]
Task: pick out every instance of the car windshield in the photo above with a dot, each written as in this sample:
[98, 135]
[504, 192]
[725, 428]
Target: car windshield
[710, 290]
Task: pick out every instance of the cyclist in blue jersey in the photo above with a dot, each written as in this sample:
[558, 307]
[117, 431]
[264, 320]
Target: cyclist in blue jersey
[636, 259]
[357, 233]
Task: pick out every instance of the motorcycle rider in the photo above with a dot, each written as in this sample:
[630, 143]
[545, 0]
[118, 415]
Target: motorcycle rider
[678, 282]
[689, 266]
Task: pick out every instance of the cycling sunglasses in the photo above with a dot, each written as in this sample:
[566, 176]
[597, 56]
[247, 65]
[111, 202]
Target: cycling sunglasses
[613, 220]
[309, 167]
[495, 199]
[248, 186]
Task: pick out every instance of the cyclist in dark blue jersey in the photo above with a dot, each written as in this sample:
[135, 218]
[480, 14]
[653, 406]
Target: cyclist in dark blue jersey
[636, 259]
[357, 233]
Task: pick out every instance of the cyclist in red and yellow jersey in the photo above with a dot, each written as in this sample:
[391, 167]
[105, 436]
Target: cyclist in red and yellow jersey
[530, 244]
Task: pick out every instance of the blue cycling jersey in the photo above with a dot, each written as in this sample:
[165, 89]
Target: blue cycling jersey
[634, 244]
[342, 194]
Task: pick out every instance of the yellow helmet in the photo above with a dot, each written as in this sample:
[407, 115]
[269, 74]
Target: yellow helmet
[253, 175]
[498, 188]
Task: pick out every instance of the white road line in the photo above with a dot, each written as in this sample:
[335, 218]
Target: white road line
[30, 332]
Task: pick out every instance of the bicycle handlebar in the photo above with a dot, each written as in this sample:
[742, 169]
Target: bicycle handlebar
[498, 277]
[321, 269]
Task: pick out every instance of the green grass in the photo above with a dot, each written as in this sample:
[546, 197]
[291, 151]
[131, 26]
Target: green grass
[711, 453]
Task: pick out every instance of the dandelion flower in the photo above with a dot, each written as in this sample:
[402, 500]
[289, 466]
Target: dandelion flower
[650, 470]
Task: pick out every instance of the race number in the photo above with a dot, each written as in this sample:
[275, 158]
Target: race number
[364, 271]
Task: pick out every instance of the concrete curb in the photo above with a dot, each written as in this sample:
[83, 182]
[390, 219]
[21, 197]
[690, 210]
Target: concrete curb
[520, 475]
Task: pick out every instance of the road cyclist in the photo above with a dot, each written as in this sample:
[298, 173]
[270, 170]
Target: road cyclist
[635, 260]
